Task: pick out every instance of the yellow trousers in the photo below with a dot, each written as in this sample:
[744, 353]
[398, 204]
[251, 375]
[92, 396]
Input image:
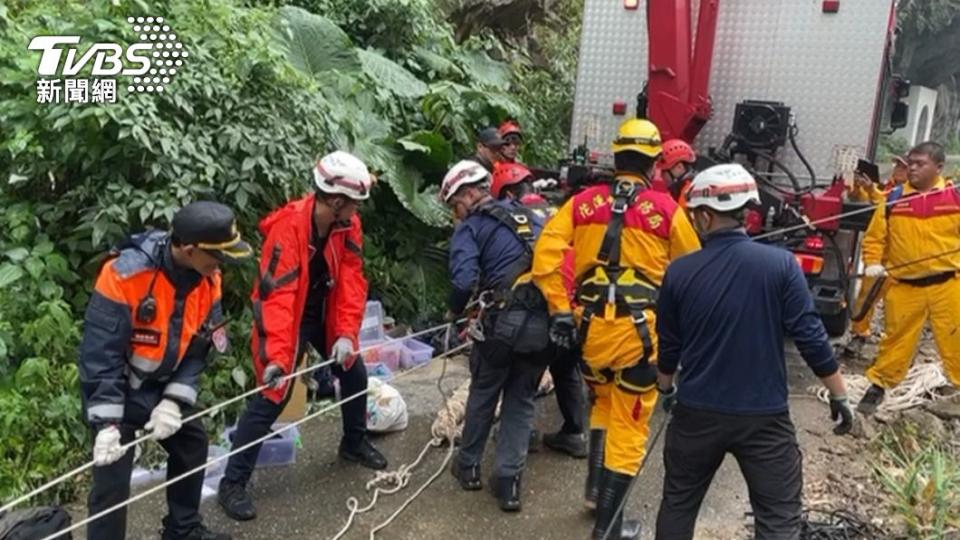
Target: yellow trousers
[626, 419]
[906, 309]
[862, 327]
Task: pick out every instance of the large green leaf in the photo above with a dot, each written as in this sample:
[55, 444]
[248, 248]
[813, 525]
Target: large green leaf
[440, 64]
[313, 43]
[428, 151]
[390, 75]
[423, 203]
[484, 69]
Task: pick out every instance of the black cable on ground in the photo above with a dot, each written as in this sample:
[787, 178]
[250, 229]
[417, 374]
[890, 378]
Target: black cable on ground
[838, 525]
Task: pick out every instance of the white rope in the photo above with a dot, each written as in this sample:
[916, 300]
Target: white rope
[446, 428]
[237, 450]
[870, 207]
[149, 436]
[918, 388]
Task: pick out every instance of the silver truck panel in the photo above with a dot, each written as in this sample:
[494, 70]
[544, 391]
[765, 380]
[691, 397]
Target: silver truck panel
[826, 67]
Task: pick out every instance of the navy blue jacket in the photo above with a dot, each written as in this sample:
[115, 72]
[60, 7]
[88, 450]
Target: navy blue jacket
[722, 315]
[482, 251]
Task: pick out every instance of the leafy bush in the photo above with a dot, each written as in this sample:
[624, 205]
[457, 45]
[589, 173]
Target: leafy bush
[266, 90]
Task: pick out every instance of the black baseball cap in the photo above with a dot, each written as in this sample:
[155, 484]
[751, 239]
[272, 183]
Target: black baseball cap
[211, 227]
[490, 137]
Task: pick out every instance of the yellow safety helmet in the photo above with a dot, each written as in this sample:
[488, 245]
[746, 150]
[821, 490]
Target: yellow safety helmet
[638, 135]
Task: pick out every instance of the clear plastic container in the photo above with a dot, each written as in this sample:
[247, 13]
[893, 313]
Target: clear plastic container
[371, 330]
[415, 352]
[281, 449]
[379, 371]
[389, 353]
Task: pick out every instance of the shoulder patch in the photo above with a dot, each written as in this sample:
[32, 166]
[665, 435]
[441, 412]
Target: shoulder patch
[131, 262]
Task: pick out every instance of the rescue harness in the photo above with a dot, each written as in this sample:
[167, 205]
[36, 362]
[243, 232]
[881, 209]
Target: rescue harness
[522, 318]
[611, 291]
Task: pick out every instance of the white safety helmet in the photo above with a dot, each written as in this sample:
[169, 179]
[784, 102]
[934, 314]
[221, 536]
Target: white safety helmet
[464, 173]
[340, 173]
[723, 188]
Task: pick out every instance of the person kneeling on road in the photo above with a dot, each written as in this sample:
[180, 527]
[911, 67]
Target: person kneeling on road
[722, 318]
[490, 252]
[311, 289]
[153, 314]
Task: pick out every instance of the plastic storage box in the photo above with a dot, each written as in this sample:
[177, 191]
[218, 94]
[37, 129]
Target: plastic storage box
[281, 449]
[371, 330]
[379, 371]
[414, 353]
[388, 353]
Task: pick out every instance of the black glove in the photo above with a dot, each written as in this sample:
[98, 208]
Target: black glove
[668, 397]
[841, 414]
[563, 330]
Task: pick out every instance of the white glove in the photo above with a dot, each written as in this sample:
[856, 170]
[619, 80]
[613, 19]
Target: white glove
[342, 352]
[106, 447]
[273, 376]
[875, 271]
[544, 183]
[165, 420]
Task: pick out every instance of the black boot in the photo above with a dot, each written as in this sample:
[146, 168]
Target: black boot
[594, 467]
[572, 444]
[507, 491]
[235, 501]
[199, 532]
[469, 477]
[613, 490]
[871, 400]
[364, 454]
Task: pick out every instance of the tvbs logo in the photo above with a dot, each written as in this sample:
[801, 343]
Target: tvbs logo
[107, 57]
[150, 63]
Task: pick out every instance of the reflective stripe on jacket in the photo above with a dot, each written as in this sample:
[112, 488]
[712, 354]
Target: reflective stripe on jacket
[280, 293]
[119, 353]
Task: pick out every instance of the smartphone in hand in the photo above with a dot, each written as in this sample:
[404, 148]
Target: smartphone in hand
[868, 169]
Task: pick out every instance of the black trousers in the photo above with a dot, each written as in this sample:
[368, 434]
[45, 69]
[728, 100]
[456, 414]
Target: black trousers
[494, 370]
[568, 384]
[261, 413]
[186, 449]
[769, 457]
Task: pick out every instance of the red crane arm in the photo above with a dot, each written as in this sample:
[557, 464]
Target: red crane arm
[679, 74]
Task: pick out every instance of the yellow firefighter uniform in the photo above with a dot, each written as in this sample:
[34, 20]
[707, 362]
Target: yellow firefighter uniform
[615, 335]
[916, 227]
[874, 195]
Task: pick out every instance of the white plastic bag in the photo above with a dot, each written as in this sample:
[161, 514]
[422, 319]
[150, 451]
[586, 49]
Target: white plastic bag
[386, 410]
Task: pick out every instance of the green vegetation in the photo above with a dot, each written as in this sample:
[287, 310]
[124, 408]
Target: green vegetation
[268, 87]
[921, 478]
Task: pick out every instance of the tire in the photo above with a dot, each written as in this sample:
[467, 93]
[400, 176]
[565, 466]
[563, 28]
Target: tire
[836, 324]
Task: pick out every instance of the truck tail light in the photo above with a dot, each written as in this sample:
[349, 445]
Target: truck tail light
[810, 264]
[619, 108]
[813, 243]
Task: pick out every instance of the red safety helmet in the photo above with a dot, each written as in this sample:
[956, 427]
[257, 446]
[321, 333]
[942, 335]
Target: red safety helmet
[676, 151]
[507, 174]
[509, 127]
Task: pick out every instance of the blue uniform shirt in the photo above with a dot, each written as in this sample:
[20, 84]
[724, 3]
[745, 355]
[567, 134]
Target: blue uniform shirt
[722, 315]
[482, 251]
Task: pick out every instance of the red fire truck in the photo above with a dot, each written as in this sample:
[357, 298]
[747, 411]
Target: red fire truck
[797, 90]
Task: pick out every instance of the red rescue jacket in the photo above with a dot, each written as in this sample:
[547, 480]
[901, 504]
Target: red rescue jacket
[280, 292]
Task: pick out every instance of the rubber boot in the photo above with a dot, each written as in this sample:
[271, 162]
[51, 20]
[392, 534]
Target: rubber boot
[613, 490]
[507, 491]
[594, 468]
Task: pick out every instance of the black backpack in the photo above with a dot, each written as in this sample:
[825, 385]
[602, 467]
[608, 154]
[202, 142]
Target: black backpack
[34, 523]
